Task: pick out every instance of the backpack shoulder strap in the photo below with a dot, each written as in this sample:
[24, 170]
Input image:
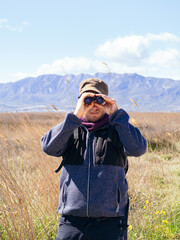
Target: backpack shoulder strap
[113, 135]
[75, 136]
[76, 133]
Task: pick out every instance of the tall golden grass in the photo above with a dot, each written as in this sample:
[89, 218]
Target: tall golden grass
[29, 185]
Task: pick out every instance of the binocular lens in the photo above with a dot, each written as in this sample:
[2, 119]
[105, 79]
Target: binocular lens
[88, 100]
[99, 100]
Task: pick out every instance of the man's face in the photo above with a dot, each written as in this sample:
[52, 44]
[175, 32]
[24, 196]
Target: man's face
[94, 114]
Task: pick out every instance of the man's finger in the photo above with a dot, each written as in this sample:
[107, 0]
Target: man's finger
[87, 94]
[106, 98]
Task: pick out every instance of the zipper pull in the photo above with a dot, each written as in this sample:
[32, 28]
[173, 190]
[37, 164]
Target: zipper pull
[117, 208]
[118, 200]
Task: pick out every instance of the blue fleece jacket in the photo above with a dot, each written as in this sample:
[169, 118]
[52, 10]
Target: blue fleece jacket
[90, 190]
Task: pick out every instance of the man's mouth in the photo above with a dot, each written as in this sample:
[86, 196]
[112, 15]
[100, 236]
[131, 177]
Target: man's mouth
[94, 113]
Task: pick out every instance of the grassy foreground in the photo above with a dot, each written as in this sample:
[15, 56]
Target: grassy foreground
[29, 185]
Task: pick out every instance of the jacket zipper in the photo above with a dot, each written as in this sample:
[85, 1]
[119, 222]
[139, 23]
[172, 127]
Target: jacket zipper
[118, 200]
[88, 186]
[89, 172]
[63, 194]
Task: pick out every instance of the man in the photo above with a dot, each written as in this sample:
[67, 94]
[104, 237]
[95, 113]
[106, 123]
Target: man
[94, 142]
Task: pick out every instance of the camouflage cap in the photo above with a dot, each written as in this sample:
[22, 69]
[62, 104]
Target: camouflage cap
[93, 84]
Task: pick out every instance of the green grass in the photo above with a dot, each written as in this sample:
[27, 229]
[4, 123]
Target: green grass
[46, 227]
[154, 207]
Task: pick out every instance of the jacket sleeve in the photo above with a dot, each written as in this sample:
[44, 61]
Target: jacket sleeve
[130, 136]
[55, 141]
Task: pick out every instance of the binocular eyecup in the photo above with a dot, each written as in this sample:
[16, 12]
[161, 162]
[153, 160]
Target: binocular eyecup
[97, 99]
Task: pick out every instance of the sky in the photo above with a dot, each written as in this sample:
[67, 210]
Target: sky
[87, 36]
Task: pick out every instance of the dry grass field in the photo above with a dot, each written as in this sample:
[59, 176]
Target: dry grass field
[29, 185]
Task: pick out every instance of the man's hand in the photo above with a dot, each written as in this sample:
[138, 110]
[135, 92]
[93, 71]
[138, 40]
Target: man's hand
[109, 106]
[81, 107]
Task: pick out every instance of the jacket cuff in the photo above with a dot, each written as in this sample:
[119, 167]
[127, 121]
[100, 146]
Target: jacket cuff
[120, 114]
[71, 117]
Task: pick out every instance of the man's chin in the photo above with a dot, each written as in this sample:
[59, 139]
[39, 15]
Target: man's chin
[94, 118]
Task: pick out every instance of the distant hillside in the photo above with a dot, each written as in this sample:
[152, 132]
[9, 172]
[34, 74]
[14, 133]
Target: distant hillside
[37, 94]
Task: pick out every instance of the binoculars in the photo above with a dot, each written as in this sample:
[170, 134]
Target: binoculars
[97, 99]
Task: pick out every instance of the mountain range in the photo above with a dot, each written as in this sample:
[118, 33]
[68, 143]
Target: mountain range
[132, 92]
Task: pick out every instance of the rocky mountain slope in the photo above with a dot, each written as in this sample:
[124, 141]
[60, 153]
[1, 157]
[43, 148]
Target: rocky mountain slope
[37, 94]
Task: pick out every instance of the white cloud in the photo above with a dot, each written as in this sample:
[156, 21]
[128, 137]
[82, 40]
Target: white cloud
[14, 29]
[134, 50]
[81, 65]
[146, 55]
[21, 75]
[163, 37]
[4, 24]
[128, 50]
[85, 65]
[67, 65]
[166, 58]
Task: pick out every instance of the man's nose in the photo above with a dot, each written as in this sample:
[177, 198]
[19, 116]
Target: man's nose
[94, 106]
